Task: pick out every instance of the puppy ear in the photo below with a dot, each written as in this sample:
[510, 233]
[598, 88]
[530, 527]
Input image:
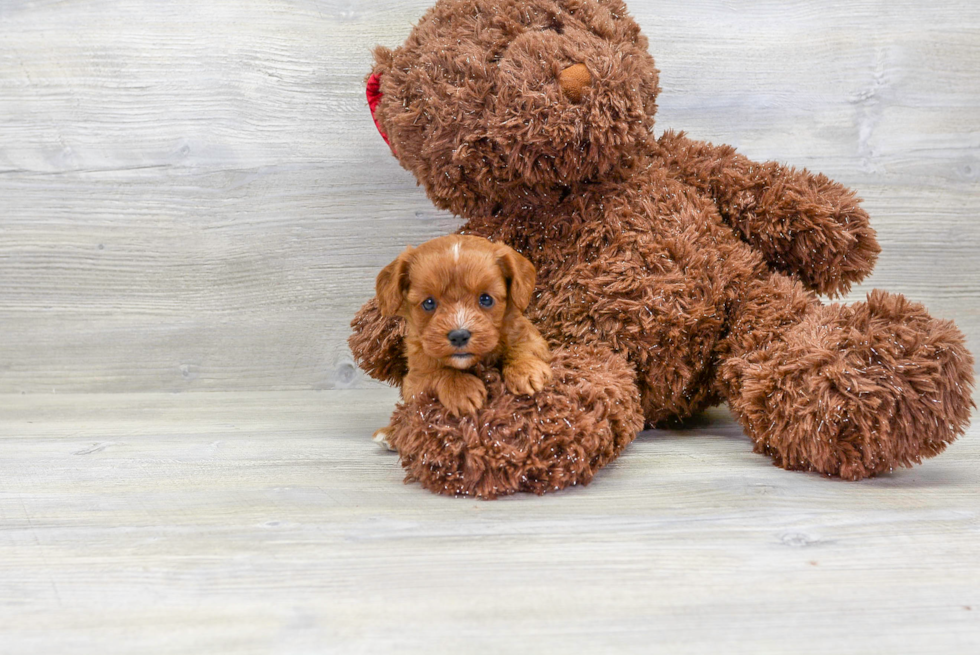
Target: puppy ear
[520, 276]
[391, 285]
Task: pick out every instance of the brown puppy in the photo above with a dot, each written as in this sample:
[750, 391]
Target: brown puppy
[463, 300]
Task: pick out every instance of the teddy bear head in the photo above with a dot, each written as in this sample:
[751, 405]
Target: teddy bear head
[492, 100]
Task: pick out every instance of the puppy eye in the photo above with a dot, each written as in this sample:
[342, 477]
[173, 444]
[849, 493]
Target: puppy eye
[429, 304]
[486, 300]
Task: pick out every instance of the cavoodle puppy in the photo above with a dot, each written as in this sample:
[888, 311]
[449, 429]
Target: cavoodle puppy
[463, 300]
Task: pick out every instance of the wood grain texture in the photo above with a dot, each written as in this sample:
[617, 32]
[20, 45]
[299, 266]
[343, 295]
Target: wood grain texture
[270, 523]
[193, 196]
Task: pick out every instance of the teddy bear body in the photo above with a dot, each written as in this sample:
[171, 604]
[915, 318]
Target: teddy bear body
[647, 279]
[672, 274]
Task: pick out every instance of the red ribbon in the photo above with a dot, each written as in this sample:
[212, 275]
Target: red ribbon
[374, 96]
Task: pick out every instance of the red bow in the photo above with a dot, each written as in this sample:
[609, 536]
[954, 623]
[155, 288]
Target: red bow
[374, 96]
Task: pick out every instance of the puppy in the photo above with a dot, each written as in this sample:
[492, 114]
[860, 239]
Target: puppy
[463, 300]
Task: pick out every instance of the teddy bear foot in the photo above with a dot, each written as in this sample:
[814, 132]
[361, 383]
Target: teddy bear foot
[557, 438]
[854, 391]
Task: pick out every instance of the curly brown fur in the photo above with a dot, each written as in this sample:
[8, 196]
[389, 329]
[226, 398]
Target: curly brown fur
[519, 442]
[695, 266]
[378, 344]
[856, 390]
[803, 224]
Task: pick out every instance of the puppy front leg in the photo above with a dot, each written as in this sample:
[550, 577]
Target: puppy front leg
[526, 369]
[460, 393]
[526, 376]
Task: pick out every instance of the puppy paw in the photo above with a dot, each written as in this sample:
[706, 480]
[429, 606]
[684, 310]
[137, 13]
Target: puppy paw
[526, 376]
[462, 394]
[381, 437]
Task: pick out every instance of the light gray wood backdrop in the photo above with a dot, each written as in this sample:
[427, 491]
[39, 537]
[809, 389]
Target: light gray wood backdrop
[193, 196]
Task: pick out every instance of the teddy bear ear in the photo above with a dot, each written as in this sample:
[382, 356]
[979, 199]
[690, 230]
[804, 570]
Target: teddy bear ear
[520, 276]
[383, 58]
[392, 284]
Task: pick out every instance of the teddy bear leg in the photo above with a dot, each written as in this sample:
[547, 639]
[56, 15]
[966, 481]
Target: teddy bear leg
[849, 390]
[554, 439]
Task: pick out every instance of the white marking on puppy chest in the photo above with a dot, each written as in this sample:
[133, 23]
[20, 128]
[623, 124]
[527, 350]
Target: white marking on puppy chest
[456, 249]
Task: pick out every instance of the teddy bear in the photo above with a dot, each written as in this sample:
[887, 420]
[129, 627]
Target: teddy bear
[673, 274]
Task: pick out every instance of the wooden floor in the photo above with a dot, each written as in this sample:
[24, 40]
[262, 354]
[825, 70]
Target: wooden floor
[270, 523]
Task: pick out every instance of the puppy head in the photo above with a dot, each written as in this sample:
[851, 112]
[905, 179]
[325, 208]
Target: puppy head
[457, 294]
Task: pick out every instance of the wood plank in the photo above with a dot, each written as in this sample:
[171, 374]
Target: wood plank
[268, 522]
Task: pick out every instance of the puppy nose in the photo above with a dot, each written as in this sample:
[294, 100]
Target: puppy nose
[459, 338]
[574, 80]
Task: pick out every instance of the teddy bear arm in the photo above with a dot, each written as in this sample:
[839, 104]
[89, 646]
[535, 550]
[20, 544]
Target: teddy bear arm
[805, 224]
[377, 344]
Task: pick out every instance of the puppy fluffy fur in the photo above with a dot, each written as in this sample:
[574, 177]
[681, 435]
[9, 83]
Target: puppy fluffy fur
[463, 300]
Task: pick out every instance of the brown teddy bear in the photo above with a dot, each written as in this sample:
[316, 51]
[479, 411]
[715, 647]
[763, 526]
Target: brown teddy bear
[672, 274]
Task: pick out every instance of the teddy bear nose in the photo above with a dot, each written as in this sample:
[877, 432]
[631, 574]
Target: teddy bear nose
[574, 80]
[459, 338]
